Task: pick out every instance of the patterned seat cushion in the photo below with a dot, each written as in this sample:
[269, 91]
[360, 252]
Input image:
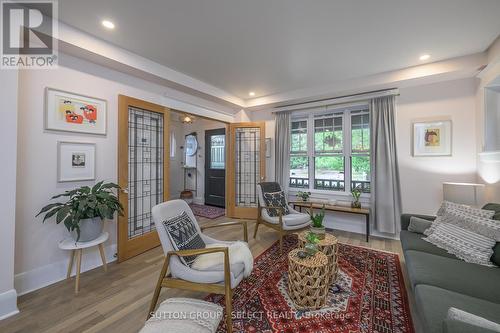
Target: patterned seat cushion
[276, 199]
[184, 235]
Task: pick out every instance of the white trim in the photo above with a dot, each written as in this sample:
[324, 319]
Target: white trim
[43, 276]
[8, 304]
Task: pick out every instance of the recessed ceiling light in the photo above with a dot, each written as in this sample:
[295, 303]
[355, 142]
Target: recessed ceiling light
[251, 93]
[424, 57]
[108, 24]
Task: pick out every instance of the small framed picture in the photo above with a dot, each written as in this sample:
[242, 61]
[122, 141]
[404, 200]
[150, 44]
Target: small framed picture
[432, 138]
[76, 161]
[268, 147]
[70, 112]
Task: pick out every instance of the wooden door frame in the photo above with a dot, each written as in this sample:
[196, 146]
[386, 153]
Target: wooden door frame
[231, 209]
[130, 248]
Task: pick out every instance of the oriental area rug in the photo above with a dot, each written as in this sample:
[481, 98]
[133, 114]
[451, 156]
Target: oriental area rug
[369, 296]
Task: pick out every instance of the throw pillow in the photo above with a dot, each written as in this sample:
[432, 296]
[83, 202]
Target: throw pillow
[495, 207]
[483, 226]
[276, 199]
[418, 225]
[465, 244]
[184, 235]
[448, 206]
[472, 319]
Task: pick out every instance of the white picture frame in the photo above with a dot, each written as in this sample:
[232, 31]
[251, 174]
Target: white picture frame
[69, 112]
[75, 161]
[432, 138]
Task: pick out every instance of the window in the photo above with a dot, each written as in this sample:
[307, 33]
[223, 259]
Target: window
[330, 150]
[218, 151]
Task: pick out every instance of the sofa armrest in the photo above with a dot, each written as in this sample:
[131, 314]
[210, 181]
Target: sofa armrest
[456, 326]
[405, 219]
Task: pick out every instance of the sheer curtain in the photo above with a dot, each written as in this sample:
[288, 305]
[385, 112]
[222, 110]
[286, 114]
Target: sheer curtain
[385, 187]
[282, 149]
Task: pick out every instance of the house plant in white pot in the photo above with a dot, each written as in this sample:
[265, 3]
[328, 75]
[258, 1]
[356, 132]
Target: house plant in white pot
[84, 212]
[317, 226]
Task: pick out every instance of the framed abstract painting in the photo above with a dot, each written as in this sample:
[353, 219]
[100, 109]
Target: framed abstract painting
[76, 161]
[70, 112]
[432, 138]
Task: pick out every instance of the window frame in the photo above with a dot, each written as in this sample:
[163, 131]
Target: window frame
[347, 152]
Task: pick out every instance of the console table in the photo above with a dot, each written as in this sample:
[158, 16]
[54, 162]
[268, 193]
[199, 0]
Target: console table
[336, 208]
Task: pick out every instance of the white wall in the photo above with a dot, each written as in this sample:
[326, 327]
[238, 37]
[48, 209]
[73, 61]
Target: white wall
[421, 178]
[8, 138]
[38, 261]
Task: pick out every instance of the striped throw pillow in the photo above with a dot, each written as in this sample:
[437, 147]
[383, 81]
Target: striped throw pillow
[448, 206]
[464, 244]
[483, 226]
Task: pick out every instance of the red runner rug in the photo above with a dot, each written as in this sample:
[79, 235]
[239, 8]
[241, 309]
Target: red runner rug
[368, 296]
[210, 212]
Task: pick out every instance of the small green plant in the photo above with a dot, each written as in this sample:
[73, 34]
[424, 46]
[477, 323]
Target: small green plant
[317, 220]
[84, 203]
[312, 241]
[312, 238]
[356, 194]
[303, 195]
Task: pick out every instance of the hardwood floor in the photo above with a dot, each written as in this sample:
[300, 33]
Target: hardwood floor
[117, 301]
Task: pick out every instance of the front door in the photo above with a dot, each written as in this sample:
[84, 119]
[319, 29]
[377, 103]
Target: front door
[215, 167]
[142, 172]
[246, 168]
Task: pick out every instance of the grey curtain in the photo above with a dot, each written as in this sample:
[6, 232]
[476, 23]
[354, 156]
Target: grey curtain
[282, 149]
[385, 190]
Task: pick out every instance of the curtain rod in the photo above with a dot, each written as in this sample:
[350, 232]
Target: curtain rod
[339, 100]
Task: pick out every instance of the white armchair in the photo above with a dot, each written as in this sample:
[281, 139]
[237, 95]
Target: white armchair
[221, 279]
[284, 223]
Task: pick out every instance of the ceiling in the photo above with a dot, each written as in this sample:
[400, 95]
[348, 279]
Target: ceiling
[276, 46]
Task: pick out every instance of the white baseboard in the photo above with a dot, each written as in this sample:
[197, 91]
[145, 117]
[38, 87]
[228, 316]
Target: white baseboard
[40, 277]
[8, 304]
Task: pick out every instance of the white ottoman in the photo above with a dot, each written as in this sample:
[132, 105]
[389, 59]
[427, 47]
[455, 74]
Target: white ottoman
[184, 315]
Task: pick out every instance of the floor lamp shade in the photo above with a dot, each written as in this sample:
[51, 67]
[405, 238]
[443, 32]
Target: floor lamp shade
[463, 193]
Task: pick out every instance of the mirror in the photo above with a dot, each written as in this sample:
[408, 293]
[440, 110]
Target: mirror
[191, 145]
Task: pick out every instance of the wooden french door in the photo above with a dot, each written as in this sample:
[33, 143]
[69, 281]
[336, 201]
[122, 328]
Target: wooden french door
[143, 171]
[246, 168]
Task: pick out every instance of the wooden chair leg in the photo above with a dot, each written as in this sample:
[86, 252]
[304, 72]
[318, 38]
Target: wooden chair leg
[158, 287]
[281, 242]
[103, 257]
[229, 309]
[78, 268]
[256, 228]
[70, 266]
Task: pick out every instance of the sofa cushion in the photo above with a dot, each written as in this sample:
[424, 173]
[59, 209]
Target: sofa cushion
[414, 241]
[456, 326]
[419, 225]
[494, 207]
[455, 275]
[433, 304]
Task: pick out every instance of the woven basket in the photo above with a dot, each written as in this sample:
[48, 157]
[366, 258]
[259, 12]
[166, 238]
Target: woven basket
[329, 246]
[308, 280]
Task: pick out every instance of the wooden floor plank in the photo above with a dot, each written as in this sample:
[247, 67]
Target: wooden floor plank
[118, 300]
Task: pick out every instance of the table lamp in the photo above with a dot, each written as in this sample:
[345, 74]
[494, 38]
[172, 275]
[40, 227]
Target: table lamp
[463, 193]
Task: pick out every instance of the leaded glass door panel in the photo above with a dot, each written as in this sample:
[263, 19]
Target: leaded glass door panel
[246, 166]
[142, 167]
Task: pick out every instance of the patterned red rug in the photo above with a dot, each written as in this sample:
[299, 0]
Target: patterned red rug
[369, 296]
[209, 212]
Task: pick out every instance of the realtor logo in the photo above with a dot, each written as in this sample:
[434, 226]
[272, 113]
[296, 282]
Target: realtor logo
[29, 34]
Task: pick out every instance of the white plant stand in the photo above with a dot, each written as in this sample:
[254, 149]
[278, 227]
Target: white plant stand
[76, 248]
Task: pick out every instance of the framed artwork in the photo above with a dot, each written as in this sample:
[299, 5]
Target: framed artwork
[432, 138]
[70, 112]
[268, 147]
[76, 161]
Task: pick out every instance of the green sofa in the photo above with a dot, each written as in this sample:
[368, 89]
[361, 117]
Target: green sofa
[439, 281]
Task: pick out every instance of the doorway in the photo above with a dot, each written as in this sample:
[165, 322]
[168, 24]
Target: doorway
[215, 167]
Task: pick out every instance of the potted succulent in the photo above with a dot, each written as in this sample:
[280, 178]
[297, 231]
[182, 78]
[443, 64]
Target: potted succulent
[303, 195]
[84, 212]
[311, 246]
[356, 193]
[317, 226]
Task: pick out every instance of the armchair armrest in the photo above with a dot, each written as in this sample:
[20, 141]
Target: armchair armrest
[228, 224]
[405, 219]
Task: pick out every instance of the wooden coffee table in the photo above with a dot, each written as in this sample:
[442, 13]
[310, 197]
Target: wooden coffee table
[329, 247]
[335, 208]
[308, 280]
